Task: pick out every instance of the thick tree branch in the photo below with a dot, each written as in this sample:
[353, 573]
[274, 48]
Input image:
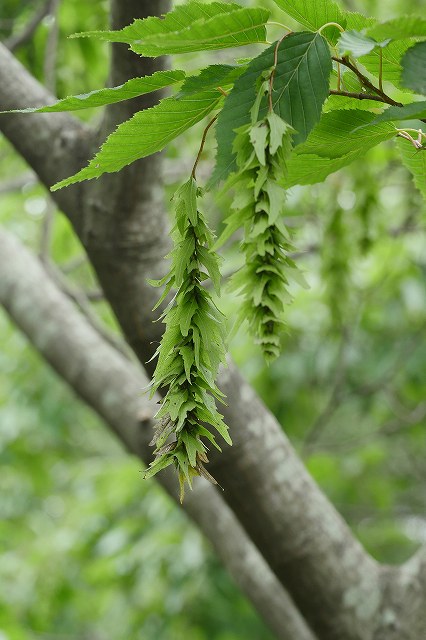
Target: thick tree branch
[110, 384]
[54, 145]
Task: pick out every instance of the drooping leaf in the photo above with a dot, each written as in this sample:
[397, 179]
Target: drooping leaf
[213, 76]
[100, 97]
[193, 27]
[414, 68]
[301, 85]
[399, 28]
[412, 111]
[415, 161]
[354, 43]
[313, 14]
[146, 133]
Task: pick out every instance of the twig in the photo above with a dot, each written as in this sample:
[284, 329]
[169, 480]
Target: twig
[203, 141]
[358, 96]
[366, 82]
[27, 32]
[46, 232]
[50, 53]
[336, 396]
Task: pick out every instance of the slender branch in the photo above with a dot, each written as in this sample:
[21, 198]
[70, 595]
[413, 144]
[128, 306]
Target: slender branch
[51, 49]
[111, 384]
[366, 82]
[54, 145]
[357, 96]
[27, 32]
[203, 142]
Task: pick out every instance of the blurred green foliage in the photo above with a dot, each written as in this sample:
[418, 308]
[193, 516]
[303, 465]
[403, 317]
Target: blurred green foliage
[88, 550]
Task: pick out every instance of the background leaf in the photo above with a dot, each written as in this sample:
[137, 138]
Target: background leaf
[391, 54]
[415, 161]
[414, 68]
[357, 44]
[398, 28]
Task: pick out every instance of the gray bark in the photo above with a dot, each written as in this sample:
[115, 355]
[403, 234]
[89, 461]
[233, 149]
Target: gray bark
[111, 385]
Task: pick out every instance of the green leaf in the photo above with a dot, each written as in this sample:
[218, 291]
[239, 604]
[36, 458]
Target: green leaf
[188, 360]
[213, 76]
[185, 316]
[100, 97]
[415, 161]
[334, 135]
[357, 44]
[258, 137]
[399, 28]
[157, 465]
[414, 68]
[193, 27]
[277, 128]
[184, 255]
[192, 447]
[313, 14]
[146, 133]
[412, 111]
[300, 87]
[188, 192]
[210, 262]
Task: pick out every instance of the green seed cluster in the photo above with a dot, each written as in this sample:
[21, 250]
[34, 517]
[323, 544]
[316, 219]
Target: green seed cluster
[262, 149]
[191, 350]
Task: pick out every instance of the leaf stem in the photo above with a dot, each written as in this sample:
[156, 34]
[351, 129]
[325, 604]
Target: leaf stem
[331, 24]
[279, 24]
[271, 78]
[203, 141]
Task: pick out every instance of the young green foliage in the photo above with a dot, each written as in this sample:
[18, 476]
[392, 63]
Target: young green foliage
[192, 347]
